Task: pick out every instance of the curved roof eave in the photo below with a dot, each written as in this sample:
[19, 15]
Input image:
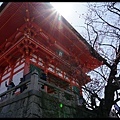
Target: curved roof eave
[3, 6]
[96, 55]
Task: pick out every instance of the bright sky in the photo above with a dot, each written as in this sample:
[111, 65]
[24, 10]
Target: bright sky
[72, 12]
[1, 3]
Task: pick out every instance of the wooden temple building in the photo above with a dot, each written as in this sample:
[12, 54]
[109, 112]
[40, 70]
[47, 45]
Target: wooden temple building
[35, 35]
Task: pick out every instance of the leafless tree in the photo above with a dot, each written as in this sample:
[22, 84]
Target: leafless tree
[103, 34]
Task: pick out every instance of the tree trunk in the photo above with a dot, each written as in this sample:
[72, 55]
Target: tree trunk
[109, 98]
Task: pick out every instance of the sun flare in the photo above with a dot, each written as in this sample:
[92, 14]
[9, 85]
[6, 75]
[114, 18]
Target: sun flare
[73, 12]
[63, 8]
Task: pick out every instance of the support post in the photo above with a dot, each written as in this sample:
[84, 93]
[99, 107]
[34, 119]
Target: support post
[34, 80]
[27, 65]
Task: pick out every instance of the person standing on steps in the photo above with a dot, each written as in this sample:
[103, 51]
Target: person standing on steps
[10, 85]
[23, 87]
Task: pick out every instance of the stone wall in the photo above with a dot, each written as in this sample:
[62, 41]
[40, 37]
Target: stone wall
[36, 104]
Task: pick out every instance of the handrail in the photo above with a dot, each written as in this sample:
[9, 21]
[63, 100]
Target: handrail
[40, 82]
[15, 87]
[53, 86]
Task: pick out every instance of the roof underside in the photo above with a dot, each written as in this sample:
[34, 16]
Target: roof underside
[57, 34]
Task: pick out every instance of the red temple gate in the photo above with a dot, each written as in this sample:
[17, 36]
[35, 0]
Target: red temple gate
[33, 33]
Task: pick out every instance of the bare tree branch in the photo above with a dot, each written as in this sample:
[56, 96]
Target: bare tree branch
[107, 22]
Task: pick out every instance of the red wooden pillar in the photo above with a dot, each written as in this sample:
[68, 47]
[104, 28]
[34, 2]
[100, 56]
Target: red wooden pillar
[1, 78]
[27, 65]
[81, 91]
[12, 71]
[1, 74]
[46, 72]
[71, 79]
[27, 59]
